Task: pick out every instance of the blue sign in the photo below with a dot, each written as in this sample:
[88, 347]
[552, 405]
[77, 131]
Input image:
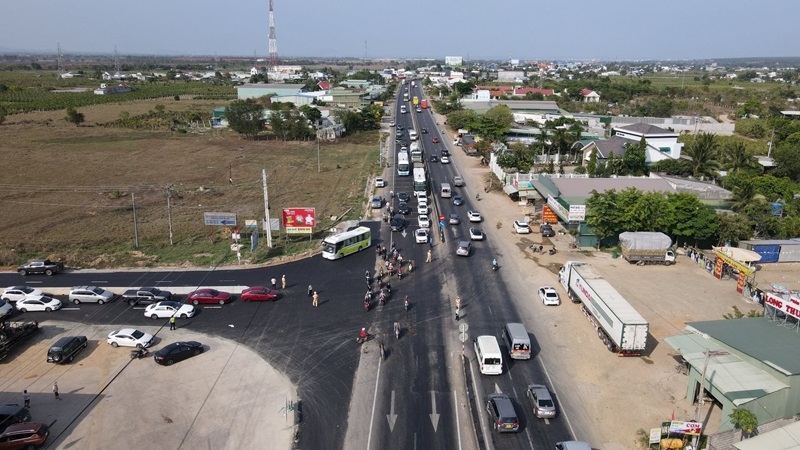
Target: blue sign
[441, 224]
[220, 219]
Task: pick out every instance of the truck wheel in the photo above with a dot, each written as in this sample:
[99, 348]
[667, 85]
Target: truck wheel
[600, 334]
[23, 272]
[610, 346]
[48, 272]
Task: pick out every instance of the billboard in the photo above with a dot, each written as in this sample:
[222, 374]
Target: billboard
[219, 219]
[453, 61]
[299, 220]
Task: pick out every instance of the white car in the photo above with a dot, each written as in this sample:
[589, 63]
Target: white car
[445, 160]
[475, 234]
[549, 296]
[43, 303]
[424, 222]
[5, 309]
[129, 337]
[91, 294]
[421, 236]
[422, 209]
[474, 216]
[422, 197]
[167, 309]
[521, 227]
[458, 181]
[17, 293]
[379, 182]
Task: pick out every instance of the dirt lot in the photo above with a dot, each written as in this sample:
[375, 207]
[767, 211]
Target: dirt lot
[67, 191]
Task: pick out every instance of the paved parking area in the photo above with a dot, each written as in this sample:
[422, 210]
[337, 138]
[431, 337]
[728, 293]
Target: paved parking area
[226, 398]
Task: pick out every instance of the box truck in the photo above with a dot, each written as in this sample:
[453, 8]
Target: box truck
[644, 247]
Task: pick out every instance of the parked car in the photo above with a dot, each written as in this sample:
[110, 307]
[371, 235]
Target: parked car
[43, 303]
[445, 159]
[391, 124]
[501, 413]
[403, 197]
[26, 436]
[458, 181]
[521, 227]
[424, 221]
[258, 294]
[421, 236]
[549, 296]
[422, 209]
[422, 197]
[5, 309]
[454, 219]
[464, 248]
[547, 230]
[435, 140]
[130, 337]
[377, 202]
[90, 294]
[458, 200]
[17, 293]
[12, 414]
[541, 401]
[476, 234]
[474, 216]
[177, 351]
[167, 309]
[209, 296]
[379, 182]
[65, 349]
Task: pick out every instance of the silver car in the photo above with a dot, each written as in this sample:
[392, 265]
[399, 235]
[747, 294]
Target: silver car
[454, 219]
[458, 181]
[90, 294]
[377, 202]
[541, 401]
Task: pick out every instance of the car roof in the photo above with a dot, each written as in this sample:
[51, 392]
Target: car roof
[29, 427]
[125, 331]
[548, 288]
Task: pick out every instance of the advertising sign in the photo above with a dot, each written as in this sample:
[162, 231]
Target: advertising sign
[790, 306]
[453, 61]
[299, 220]
[219, 219]
[548, 216]
[690, 428]
[577, 213]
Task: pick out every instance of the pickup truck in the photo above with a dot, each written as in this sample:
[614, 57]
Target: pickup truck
[145, 295]
[40, 266]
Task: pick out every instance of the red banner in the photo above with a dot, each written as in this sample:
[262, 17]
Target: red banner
[299, 220]
[548, 216]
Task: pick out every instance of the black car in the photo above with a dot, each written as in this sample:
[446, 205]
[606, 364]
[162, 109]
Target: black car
[547, 230]
[434, 158]
[399, 126]
[13, 413]
[403, 208]
[403, 197]
[397, 222]
[424, 131]
[65, 349]
[177, 351]
[445, 152]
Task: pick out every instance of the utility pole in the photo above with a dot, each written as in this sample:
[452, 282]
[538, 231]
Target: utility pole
[169, 211]
[135, 225]
[266, 207]
[318, 165]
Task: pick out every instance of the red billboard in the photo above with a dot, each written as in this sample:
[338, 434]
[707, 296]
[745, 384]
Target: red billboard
[299, 220]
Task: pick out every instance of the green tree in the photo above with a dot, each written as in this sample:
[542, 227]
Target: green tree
[689, 218]
[311, 113]
[774, 188]
[465, 119]
[635, 158]
[245, 117]
[743, 194]
[500, 114]
[736, 156]
[591, 166]
[462, 89]
[704, 154]
[733, 228]
[73, 116]
[750, 107]
[678, 167]
[787, 157]
[744, 420]
[603, 215]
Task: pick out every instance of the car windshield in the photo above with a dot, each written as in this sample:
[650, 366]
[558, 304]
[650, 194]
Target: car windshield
[137, 334]
[97, 290]
[545, 403]
[27, 290]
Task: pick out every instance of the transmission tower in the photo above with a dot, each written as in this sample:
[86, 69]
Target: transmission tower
[60, 62]
[273, 40]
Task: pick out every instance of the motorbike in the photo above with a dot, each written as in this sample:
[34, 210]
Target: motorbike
[362, 338]
[552, 251]
[140, 353]
[478, 197]
[366, 304]
[495, 266]
[406, 303]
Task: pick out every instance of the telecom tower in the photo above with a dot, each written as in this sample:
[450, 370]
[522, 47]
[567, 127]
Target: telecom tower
[61, 70]
[273, 41]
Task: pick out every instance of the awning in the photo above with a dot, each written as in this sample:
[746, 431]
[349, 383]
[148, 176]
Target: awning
[510, 189]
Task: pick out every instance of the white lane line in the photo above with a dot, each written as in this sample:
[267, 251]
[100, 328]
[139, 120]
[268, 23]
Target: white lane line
[70, 309]
[374, 401]
[33, 282]
[458, 425]
[212, 307]
[98, 282]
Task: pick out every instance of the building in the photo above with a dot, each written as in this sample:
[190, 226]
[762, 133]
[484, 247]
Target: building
[521, 92]
[590, 96]
[516, 106]
[259, 90]
[344, 98]
[356, 84]
[751, 363]
[105, 89]
[661, 144]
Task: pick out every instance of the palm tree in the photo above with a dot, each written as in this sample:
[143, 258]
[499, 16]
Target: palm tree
[704, 152]
[738, 157]
[743, 195]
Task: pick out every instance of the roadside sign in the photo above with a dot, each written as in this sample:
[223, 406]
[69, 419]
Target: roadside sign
[441, 224]
[441, 218]
[251, 225]
[299, 220]
[219, 219]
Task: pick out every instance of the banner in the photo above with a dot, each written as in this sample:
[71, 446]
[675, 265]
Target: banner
[690, 428]
[299, 220]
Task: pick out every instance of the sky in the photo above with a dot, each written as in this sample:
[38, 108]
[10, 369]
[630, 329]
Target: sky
[516, 29]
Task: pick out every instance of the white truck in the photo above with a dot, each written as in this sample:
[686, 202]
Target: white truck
[644, 247]
[621, 328]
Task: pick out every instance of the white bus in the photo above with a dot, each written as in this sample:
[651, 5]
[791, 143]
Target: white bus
[412, 134]
[420, 185]
[403, 109]
[403, 164]
[343, 244]
[489, 356]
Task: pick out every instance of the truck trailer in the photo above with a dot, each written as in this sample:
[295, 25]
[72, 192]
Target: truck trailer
[621, 328]
[646, 248]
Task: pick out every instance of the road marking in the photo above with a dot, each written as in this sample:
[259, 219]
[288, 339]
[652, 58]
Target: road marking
[374, 400]
[33, 282]
[434, 415]
[98, 282]
[391, 417]
[70, 309]
[458, 425]
[212, 307]
[226, 281]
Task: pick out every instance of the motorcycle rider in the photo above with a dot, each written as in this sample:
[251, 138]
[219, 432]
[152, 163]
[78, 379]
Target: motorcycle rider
[363, 335]
[494, 264]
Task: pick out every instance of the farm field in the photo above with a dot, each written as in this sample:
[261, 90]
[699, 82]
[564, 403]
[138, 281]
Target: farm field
[67, 192]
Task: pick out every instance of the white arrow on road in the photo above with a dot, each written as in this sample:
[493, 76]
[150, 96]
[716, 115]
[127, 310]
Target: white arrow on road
[404, 232]
[391, 417]
[434, 415]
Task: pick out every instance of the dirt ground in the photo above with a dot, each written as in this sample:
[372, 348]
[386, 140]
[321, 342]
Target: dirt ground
[68, 191]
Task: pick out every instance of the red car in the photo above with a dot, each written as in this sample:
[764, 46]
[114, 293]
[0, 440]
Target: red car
[259, 294]
[435, 140]
[209, 296]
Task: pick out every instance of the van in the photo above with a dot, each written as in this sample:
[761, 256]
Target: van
[573, 445]
[445, 190]
[517, 341]
[502, 414]
[489, 356]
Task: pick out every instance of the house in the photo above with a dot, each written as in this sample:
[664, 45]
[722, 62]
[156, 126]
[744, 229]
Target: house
[356, 84]
[324, 85]
[258, 90]
[104, 89]
[343, 98]
[661, 144]
[521, 92]
[590, 96]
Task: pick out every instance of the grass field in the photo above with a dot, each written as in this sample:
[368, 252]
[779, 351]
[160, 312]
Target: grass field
[66, 191]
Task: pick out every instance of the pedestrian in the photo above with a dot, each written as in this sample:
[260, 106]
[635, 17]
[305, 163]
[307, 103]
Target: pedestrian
[172, 323]
[541, 247]
[458, 302]
[274, 283]
[458, 313]
[310, 290]
[430, 241]
[55, 390]
[283, 282]
[430, 256]
[315, 300]
[26, 398]
[400, 259]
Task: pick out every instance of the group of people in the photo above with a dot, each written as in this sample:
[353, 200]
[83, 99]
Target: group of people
[699, 258]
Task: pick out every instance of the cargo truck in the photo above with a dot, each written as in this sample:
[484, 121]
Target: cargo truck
[621, 328]
[646, 248]
[424, 104]
[415, 101]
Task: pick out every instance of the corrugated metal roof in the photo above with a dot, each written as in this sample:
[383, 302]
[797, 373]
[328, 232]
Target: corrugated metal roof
[643, 128]
[784, 438]
[582, 187]
[759, 338]
[771, 242]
